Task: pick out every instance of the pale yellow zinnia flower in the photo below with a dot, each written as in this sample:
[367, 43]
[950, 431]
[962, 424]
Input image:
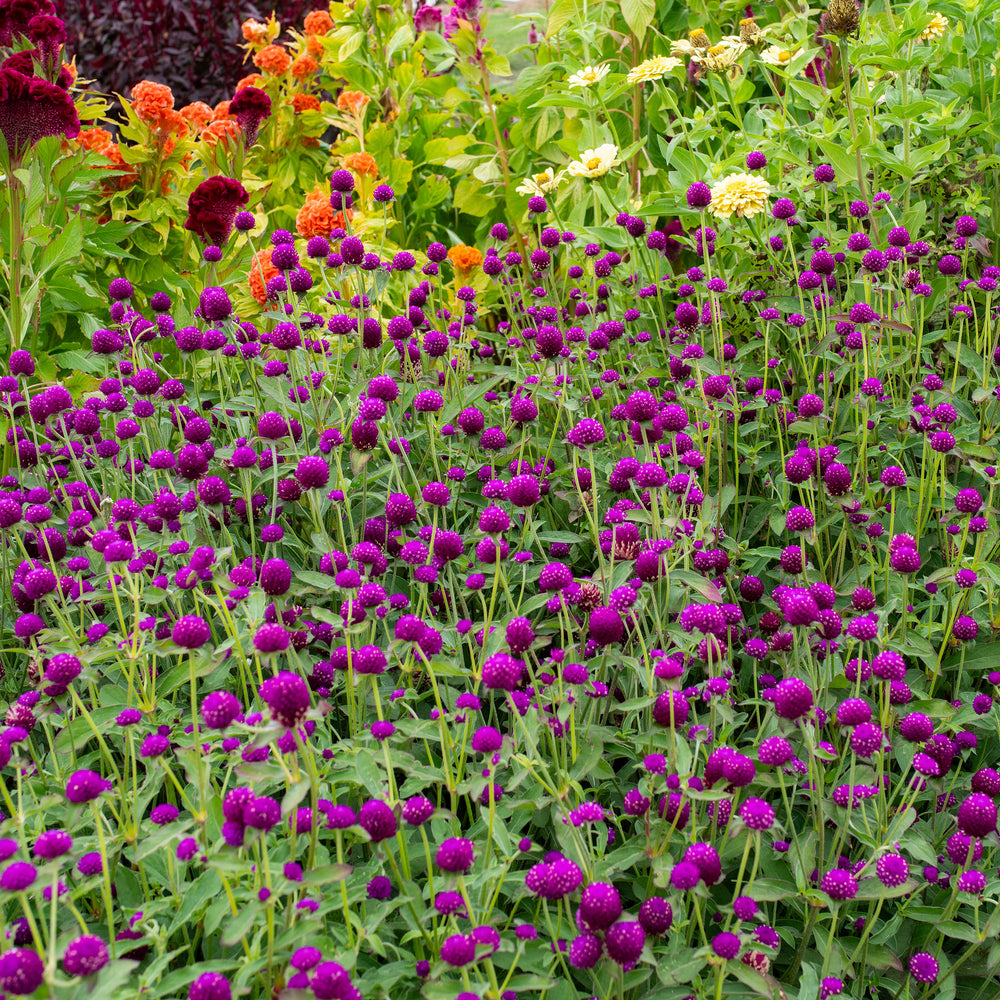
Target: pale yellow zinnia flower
[595, 162]
[540, 184]
[589, 75]
[935, 29]
[740, 195]
[653, 69]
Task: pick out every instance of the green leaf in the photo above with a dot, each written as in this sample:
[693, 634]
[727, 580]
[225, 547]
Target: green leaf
[237, 928]
[638, 15]
[562, 12]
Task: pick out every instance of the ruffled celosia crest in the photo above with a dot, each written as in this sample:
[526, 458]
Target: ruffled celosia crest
[212, 208]
[30, 109]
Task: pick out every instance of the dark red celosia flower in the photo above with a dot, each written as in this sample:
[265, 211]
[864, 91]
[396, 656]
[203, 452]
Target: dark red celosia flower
[250, 107]
[48, 32]
[16, 15]
[31, 109]
[212, 208]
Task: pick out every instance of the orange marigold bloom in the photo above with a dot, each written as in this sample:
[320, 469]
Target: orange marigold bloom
[150, 100]
[198, 115]
[253, 80]
[361, 163]
[305, 102]
[465, 258]
[215, 131]
[315, 217]
[318, 22]
[221, 111]
[261, 272]
[254, 31]
[273, 59]
[353, 101]
[304, 66]
[95, 139]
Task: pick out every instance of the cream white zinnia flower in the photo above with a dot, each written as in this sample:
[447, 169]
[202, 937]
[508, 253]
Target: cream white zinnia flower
[589, 75]
[775, 55]
[540, 184]
[595, 162]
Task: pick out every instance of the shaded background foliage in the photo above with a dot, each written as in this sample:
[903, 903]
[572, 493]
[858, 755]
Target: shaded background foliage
[192, 46]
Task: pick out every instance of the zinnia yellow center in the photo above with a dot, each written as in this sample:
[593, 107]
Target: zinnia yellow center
[541, 178]
[593, 163]
[784, 54]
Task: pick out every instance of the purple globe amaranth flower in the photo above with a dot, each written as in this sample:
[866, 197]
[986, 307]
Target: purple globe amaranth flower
[287, 696]
[977, 815]
[792, 698]
[699, 195]
[625, 941]
[219, 709]
[839, 884]
[656, 915]
[84, 786]
[600, 905]
[455, 855]
[757, 814]
[21, 971]
[585, 951]
[18, 876]
[726, 945]
[924, 967]
[85, 956]
[377, 820]
[210, 986]
[191, 632]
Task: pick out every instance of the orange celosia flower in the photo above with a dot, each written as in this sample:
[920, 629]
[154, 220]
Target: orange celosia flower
[318, 22]
[315, 217]
[261, 272]
[172, 122]
[305, 102]
[95, 139]
[361, 163]
[123, 181]
[150, 100]
[197, 115]
[221, 111]
[253, 80]
[215, 131]
[273, 59]
[338, 219]
[313, 46]
[254, 31]
[353, 101]
[304, 66]
[464, 258]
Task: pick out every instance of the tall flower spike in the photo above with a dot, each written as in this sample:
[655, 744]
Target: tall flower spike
[250, 107]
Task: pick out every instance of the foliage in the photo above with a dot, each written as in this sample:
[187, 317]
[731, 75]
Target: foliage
[545, 545]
